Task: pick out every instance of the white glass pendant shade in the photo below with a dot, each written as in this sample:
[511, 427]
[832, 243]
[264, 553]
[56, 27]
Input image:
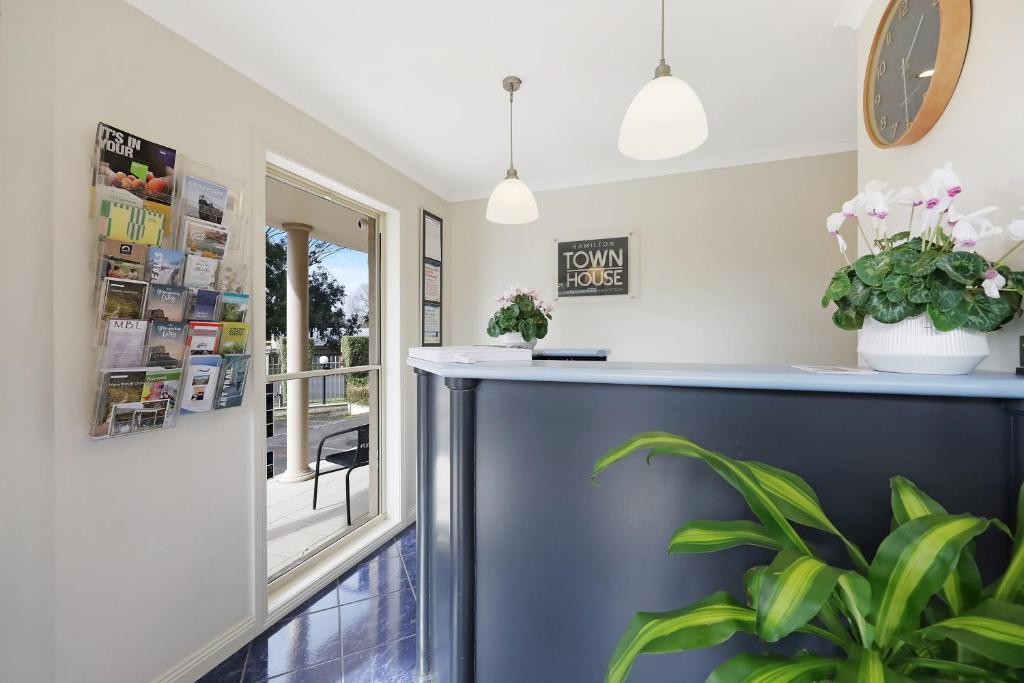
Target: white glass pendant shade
[511, 203]
[666, 119]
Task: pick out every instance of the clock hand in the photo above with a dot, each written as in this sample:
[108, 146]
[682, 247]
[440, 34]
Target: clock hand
[914, 41]
[906, 98]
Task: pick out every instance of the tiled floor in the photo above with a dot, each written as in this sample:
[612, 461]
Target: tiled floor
[360, 629]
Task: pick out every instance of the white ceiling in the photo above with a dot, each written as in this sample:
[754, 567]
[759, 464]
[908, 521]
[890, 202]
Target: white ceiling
[418, 83]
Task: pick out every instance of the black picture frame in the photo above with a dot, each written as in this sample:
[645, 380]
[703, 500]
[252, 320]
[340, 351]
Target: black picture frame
[437, 263]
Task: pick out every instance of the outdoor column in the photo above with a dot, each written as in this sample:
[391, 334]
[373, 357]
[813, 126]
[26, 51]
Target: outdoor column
[298, 353]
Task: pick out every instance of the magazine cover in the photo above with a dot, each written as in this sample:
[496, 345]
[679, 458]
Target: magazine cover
[122, 298]
[203, 305]
[162, 385]
[166, 345]
[122, 260]
[166, 302]
[231, 276]
[124, 344]
[233, 373]
[233, 307]
[204, 199]
[164, 266]
[132, 163]
[203, 338]
[205, 239]
[233, 337]
[200, 272]
[200, 384]
[140, 416]
[131, 223]
[116, 387]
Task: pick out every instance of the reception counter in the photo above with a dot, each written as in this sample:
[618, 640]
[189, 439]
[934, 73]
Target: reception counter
[529, 572]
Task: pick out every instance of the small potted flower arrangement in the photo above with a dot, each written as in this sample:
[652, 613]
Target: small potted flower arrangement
[521, 319]
[923, 297]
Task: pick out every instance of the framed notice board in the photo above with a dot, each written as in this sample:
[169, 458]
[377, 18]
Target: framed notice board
[430, 280]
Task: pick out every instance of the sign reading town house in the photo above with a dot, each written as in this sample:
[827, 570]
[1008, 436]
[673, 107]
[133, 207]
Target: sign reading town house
[598, 267]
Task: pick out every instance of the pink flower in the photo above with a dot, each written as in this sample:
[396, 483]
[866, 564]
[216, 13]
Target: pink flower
[993, 283]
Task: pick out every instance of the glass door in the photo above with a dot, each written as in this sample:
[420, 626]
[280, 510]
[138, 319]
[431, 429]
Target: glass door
[323, 369]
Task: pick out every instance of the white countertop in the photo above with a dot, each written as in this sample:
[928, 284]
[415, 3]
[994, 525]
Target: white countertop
[765, 377]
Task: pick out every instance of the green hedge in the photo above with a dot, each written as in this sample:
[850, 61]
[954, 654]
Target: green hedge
[357, 393]
[355, 351]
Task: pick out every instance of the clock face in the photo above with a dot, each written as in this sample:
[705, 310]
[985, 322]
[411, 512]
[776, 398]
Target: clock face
[903, 61]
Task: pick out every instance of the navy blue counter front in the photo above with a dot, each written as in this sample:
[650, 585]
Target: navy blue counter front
[529, 572]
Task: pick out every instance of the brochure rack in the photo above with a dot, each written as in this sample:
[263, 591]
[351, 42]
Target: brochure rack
[172, 289]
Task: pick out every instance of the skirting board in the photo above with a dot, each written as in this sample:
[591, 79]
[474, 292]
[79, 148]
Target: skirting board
[203, 660]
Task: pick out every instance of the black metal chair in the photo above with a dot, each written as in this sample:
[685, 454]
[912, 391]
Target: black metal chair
[346, 460]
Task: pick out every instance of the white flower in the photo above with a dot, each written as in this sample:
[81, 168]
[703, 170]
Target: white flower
[970, 229]
[946, 179]
[993, 283]
[909, 196]
[853, 207]
[1016, 229]
[832, 225]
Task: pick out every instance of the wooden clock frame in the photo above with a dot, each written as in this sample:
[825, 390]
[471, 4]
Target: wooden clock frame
[954, 37]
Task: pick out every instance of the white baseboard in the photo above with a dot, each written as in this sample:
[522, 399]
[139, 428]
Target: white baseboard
[203, 660]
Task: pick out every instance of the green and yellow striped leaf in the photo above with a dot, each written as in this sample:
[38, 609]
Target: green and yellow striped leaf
[956, 668]
[792, 592]
[1010, 587]
[855, 594]
[994, 629]
[707, 622]
[753, 578]
[866, 666]
[911, 565]
[800, 504]
[962, 588]
[769, 669]
[707, 536]
[736, 474]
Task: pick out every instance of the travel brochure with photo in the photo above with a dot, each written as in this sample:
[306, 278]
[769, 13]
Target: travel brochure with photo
[166, 302]
[164, 266]
[165, 346]
[122, 299]
[203, 238]
[122, 260]
[129, 162]
[204, 199]
[200, 384]
[203, 305]
[233, 337]
[233, 307]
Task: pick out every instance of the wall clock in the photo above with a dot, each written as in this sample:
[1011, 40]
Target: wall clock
[913, 68]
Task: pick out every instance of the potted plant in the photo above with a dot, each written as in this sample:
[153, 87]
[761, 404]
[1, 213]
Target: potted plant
[521, 319]
[915, 612]
[923, 297]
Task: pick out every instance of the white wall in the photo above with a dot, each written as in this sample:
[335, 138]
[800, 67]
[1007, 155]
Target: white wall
[981, 132]
[733, 264]
[129, 555]
[27, 342]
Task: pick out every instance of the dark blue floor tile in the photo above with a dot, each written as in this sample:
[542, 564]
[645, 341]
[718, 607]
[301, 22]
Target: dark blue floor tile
[325, 599]
[393, 662]
[328, 672]
[299, 643]
[407, 541]
[376, 577]
[389, 549]
[412, 568]
[228, 671]
[376, 621]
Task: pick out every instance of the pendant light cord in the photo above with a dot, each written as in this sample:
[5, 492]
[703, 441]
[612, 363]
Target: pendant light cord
[510, 157]
[663, 31]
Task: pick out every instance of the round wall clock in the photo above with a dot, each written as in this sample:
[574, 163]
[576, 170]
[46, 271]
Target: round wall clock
[913, 68]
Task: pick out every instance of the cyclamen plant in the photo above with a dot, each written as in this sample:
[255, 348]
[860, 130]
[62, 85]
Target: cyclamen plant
[521, 310]
[930, 267]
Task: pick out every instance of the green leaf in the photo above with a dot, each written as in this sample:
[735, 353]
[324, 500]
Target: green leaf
[753, 578]
[848, 318]
[866, 666]
[708, 536]
[895, 281]
[963, 587]
[955, 668]
[912, 563]
[962, 266]
[944, 293]
[994, 630]
[736, 474]
[1010, 587]
[985, 314]
[916, 264]
[917, 292]
[885, 311]
[859, 291]
[493, 328]
[950, 319]
[792, 592]
[747, 668]
[839, 287]
[799, 503]
[873, 269]
[525, 303]
[707, 622]
[855, 594]
[528, 329]
[900, 236]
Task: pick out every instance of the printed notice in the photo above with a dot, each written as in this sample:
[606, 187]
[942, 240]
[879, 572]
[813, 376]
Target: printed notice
[431, 325]
[431, 282]
[431, 238]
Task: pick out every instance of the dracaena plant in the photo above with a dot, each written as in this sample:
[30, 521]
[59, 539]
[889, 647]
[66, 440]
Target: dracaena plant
[930, 266]
[916, 611]
[520, 310]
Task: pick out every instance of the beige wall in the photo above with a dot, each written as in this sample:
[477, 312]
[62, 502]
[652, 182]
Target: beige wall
[732, 266]
[151, 537]
[982, 132]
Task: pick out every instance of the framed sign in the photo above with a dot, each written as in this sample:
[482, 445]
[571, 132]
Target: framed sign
[430, 280]
[596, 267]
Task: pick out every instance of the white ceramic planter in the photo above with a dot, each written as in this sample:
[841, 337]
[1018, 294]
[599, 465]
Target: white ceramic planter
[915, 346]
[515, 340]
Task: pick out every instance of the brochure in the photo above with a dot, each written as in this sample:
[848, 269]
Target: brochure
[164, 266]
[120, 386]
[204, 305]
[205, 239]
[162, 385]
[204, 199]
[203, 338]
[200, 272]
[140, 416]
[122, 298]
[166, 302]
[132, 163]
[233, 337]
[234, 371]
[166, 344]
[200, 384]
[231, 276]
[125, 344]
[130, 223]
[123, 260]
[233, 307]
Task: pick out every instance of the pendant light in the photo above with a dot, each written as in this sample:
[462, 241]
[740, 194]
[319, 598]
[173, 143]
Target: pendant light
[666, 118]
[511, 203]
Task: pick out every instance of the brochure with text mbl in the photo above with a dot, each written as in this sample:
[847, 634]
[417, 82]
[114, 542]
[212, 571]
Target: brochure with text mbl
[200, 385]
[124, 344]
